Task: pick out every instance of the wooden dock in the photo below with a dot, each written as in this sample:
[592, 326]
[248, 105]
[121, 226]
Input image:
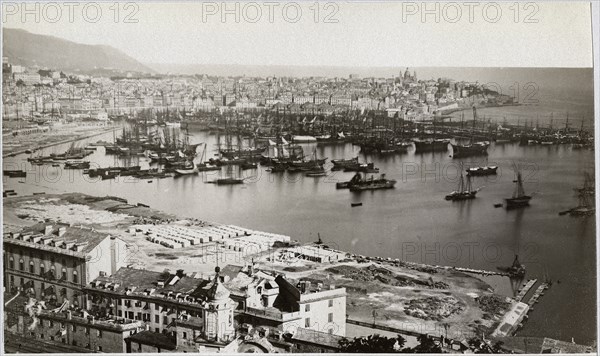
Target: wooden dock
[537, 294]
[530, 283]
[481, 272]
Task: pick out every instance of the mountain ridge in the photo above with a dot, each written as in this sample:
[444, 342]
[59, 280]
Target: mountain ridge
[26, 48]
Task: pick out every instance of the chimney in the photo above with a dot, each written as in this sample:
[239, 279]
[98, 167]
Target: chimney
[61, 231]
[180, 273]
[47, 229]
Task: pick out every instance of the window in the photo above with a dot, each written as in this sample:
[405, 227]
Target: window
[11, 263]
[119, 313]
[100, 333]
[31, 267]
[74, 328]
[165, 321]
[157, 330]
[75, 278]
[330, 317]
[87, 330]
[330, 303]
[184, 335]
[41, 336]
[42, 269]
[307, 323]
[156, 307]
[330, 331]
[307, 308]
[156, 319]
[74, 343]
[22, 281]
[51, 323]
[64, 274]
[139, 316]
[100, 348]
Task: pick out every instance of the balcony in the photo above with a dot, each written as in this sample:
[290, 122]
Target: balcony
[272, 314]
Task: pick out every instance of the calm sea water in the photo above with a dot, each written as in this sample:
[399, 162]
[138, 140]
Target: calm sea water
[411, 222]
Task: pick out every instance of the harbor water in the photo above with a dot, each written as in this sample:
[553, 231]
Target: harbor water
[412, 222]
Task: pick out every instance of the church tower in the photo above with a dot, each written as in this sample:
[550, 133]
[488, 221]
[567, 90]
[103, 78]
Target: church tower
[218, 321]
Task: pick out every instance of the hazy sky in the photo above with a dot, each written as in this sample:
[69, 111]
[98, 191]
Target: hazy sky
[340, 34]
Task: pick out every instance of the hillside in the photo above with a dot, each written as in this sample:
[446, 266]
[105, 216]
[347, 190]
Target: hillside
[26, 48]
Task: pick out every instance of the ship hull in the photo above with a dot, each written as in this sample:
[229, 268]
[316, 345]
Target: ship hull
[461, 196]
[482, 171]
[517, 202]
[468, 151]
[435, 146]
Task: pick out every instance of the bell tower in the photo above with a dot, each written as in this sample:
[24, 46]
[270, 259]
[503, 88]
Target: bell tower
[218, 321]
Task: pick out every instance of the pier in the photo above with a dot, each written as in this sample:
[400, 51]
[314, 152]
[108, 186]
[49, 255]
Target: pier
[537, 294]
[481, 272]
[523, 292]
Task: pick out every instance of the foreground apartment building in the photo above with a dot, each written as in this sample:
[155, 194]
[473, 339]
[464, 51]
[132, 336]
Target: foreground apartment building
[53, 262]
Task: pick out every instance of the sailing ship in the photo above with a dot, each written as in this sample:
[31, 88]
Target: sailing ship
[585, 207]
[472, 148]
[465, 190]
[519, 198]
[482, 170]
[431, 145]
[585, 194]
[588, 185]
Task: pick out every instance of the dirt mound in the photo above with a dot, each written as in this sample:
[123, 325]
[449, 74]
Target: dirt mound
[379, 274]
[434, 308]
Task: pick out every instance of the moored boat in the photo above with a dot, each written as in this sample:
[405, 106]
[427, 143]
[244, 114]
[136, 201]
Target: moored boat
[519, 198]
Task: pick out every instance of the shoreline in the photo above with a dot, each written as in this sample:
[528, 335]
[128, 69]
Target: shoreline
[73, 139]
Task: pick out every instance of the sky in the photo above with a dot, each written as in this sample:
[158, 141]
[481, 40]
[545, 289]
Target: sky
[374, 34]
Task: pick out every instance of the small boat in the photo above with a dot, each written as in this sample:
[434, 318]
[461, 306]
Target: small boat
[190, 168]
[15, 173]
[316, 173]
[371, 184]
[77, 164]
[498, 205]
[303, 139]
[343, 163]
[482, 171]
[228, 181]
[355, 204]
[249, 165]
